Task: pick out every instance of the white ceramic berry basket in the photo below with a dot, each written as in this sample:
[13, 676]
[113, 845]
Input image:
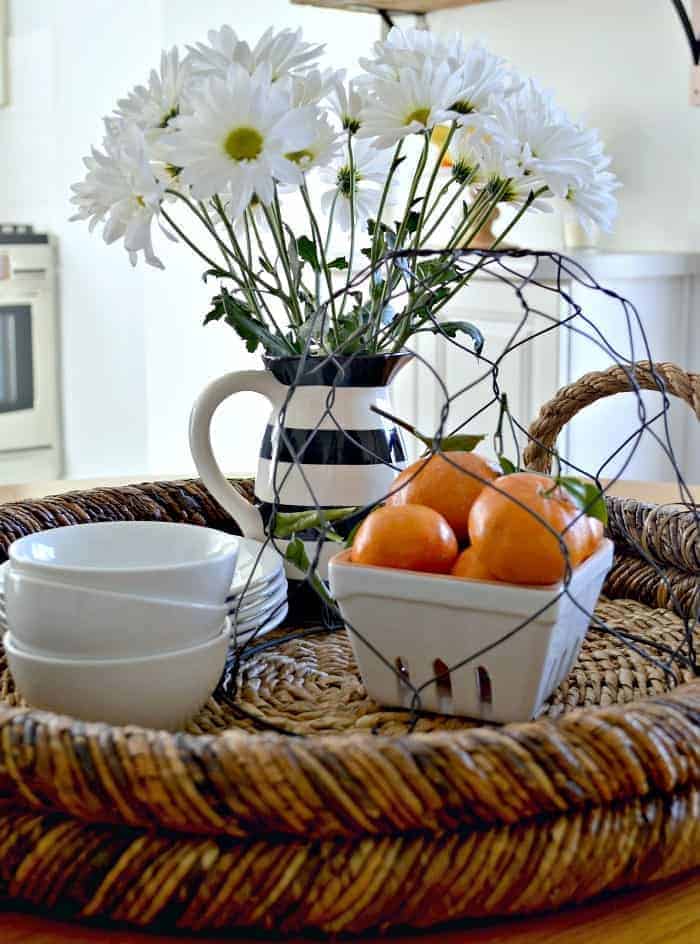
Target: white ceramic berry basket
[407, 628]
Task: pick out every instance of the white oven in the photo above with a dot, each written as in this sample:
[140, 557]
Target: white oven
[29, 357]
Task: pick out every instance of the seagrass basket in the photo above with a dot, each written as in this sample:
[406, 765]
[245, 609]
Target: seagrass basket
[292, 802]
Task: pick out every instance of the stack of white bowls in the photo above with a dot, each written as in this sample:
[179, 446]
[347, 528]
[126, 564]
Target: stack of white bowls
[123, 622]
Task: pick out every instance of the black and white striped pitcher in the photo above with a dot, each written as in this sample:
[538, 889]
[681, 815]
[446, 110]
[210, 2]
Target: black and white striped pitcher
[347, 455]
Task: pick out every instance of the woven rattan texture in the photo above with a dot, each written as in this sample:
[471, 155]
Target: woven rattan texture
[294, 803]
[555, 414]
[363, 822]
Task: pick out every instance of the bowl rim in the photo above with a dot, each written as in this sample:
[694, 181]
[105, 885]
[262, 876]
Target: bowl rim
[15, 549]
[11, 647]
[120, 595]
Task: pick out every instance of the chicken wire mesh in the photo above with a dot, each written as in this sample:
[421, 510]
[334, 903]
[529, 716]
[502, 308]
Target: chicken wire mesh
[518, 270]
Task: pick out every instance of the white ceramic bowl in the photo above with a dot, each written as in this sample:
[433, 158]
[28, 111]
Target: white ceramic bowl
[147, 558]
[55, 619]
[160, 691]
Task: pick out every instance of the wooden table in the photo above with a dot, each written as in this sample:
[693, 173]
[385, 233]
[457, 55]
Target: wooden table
[668, 913]
[657, 492]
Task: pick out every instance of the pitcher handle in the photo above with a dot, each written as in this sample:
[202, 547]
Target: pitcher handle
[245, 514]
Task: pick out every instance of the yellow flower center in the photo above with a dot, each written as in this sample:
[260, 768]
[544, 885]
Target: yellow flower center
[140, 201]
[420, 115]
[243, 144]
[299, 156]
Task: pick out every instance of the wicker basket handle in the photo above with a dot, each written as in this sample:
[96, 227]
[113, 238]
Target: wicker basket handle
[567, 402]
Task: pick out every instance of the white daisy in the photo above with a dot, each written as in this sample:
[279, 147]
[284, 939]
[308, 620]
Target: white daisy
[410, 49]
[594, 203]
[322, 147]
[309, 88]
[121, 191]
[237, 137]
[347, 102]
[416, 101]
[483, 156]
[551, 147]
[371, 167]
[483, 75]
[153, 106]
[284, 52]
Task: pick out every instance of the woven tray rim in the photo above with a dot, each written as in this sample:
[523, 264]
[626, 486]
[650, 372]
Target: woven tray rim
[589, 757]
[346, 832]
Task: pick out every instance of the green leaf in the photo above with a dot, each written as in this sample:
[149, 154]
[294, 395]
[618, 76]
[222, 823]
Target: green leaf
[506, 465]
[340, 263]
[412, 221]
[586, 496]
[461, 442]
[215, 273]
[216, 314]
[453, 328]
[290, 522]
[307, 251]
[249, 328]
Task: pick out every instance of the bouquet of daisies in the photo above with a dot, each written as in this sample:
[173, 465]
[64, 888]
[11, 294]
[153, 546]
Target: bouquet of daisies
[310, 197]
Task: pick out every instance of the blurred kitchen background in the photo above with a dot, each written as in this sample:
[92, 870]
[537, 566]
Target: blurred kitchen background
[119, 354]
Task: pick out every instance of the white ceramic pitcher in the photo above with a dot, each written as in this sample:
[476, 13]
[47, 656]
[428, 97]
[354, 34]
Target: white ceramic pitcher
[322, 445]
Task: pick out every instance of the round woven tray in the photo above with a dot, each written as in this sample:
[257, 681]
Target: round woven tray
[293, 802]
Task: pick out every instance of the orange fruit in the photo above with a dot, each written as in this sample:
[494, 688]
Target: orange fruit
[410, 537]
[470, 566]
[513, 545]
[447, 483]
[597, 529]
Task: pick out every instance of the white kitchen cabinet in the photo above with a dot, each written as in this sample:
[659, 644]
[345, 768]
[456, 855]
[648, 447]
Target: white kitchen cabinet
[664, 287]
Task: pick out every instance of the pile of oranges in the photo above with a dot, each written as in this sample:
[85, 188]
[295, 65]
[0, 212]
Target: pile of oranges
[515, 527]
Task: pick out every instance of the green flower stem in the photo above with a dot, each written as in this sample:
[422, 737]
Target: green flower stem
[202, 255]
[321, 248]
[420, 167]
[353, 223]
[382, 203]
[252, 290]
[526, 206]
[329, 231]
[437, 201]
[278, 236]
[279, 291]
[249, 220]
[248, 241]
[202, 214]
[431, 182]
[467, 224]
[392, 279]
[206, 222]
[460, 190]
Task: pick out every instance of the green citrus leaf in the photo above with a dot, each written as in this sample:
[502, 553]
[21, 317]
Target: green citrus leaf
[585, 495]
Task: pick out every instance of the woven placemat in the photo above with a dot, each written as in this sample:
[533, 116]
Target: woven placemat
[311, 685]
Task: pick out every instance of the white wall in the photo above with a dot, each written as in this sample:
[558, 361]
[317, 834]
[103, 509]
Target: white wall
[622, 66]
[134, 352]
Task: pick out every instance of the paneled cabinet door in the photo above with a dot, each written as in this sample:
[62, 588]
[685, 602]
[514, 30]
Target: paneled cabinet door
[524, 368]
